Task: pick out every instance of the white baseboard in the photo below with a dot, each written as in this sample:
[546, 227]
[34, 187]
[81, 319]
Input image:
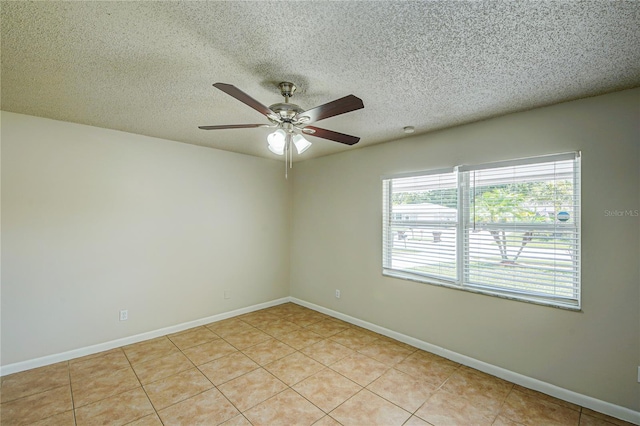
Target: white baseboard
[89, 350]
[608, 408]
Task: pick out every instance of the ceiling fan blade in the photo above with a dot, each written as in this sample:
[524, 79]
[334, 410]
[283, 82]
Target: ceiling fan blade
[232, 126]
[244, 98]
[331, 135]
[330, 109]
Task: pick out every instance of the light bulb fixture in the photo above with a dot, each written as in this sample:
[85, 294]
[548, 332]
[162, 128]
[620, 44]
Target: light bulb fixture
[301, 143]
[280, 143]
[276, 141]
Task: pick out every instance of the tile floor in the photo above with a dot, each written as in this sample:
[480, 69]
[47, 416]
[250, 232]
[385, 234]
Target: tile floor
[285, 365]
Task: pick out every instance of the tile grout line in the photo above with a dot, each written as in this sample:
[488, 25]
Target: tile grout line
[73, 401]
[142, 386]
[197, 367]
[504, 401]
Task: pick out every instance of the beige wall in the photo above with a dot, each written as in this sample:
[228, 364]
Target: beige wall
[336, 244]
[94, 221]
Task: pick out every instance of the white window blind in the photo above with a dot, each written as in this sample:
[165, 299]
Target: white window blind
[509, 228]
[421, 217]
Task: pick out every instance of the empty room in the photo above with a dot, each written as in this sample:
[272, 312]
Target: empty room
[320, 213]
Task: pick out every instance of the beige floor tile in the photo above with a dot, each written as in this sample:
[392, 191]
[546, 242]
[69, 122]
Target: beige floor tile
[228, 367]
[589, 416]
[286, 408]
[416, 421]
[528, 409]
[94, 355]
[258, 318]
[116, 410]
[443, 410]
[294, 368]
[181, 386]
[106, 388]
[301, 338]
[251, 389]
[209, 351]
[279, 310]
[479, 387]
[93, 389]
[403, 390]
[366, 408]
[360, 368]
[159, 368]
[326, 328]
[268, 351]
[278, 328]
[544, 396]
[397, 342]
[344, 323]
[34, 381]
[33, 408]
[360, 329]
[327, 389]
[327, 351]
[150, 349]
[98, 366]
[286, 309]
[306, 318]
[385, 351]
[246, 339]
[207, 408]
[63, 419]
[587, 420]
[238, 420]
[503, 421]
[327, 421]
[229, 326]
[150, 420]
[192, 337]
[354, 339]
[424, 366]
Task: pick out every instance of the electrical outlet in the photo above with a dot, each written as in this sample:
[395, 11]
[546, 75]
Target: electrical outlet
[337, 294]
[227, 294]
[638, 374]
[124, 315]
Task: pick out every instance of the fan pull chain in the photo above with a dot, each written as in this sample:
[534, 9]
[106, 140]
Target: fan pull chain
[288, 156]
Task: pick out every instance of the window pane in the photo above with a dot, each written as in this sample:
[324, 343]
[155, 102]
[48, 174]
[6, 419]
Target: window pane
[541, 263]
[420, 225]
[521, 235]
[424, 250]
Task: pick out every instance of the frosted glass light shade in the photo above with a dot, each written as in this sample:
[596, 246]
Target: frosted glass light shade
[276, 141]
[301, 143]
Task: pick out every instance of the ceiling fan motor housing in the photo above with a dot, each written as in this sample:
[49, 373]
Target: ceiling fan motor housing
[286, 111]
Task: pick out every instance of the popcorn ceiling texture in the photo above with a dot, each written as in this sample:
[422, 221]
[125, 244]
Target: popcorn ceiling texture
[147, 67]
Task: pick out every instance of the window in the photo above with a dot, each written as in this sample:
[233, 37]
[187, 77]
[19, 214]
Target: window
[510, 229]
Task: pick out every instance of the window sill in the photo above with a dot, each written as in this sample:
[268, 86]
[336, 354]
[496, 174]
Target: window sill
[485, 292]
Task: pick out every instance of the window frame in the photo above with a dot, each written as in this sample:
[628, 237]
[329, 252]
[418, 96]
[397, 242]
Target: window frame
[462, 232]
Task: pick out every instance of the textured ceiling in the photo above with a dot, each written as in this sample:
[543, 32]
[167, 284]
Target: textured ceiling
[148, 67]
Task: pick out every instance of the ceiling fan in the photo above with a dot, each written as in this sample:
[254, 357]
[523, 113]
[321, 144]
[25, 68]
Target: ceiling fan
[291, 121]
